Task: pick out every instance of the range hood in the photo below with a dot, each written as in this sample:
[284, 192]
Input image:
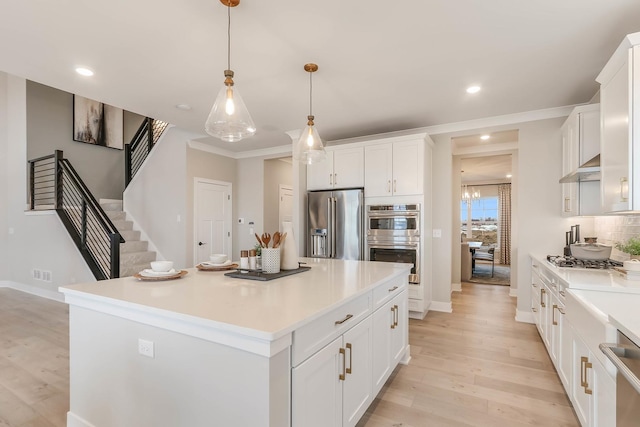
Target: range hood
[589, 171]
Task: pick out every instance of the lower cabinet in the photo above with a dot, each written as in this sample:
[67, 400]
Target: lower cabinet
[337, 383]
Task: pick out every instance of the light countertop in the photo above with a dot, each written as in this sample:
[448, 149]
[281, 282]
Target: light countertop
[265, 310]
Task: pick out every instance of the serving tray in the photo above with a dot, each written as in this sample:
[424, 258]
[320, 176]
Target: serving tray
[259, 275]
[205, 267]
[178, 275]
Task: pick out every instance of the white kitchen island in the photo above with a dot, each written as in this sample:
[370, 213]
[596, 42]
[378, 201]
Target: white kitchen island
[308, 349]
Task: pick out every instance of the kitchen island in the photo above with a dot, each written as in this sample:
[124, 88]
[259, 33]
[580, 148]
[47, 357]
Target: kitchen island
[209, 350]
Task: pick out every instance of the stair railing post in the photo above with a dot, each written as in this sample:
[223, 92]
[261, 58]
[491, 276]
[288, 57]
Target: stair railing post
[115, 255]
[32, 184]
[149, 134]
[57, 179]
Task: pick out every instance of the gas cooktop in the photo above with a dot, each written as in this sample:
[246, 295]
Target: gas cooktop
[571, 262]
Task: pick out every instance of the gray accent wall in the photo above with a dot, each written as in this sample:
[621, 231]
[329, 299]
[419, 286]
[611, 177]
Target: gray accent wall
[276, 172]
[50, 127]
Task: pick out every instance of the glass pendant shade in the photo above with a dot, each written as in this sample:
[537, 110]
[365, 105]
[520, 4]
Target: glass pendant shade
[229, 118]
[309, 148]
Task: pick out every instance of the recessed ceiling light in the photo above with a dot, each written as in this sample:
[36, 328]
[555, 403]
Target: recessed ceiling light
[185, 107]
[508, 175]
[473, 89]
[485, 137]
[84, 71]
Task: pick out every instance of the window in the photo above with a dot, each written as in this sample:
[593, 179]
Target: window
[484, 219]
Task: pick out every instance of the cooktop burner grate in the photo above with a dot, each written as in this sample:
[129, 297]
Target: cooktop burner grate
[572, 262]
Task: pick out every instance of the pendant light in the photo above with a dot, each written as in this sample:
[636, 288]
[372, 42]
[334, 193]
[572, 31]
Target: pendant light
[309, 148]
[229, 118]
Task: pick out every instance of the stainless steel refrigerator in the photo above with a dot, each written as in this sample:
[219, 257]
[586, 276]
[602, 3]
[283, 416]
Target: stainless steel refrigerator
[335, 226]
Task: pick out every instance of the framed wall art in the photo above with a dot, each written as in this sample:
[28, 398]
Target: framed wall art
[97, 123]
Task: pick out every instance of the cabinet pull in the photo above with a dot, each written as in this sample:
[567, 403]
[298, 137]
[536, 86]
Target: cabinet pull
[347, 317]
[562, 294]
[335, 179]
[561, 310]
[583, 361]
[542, 303]
[330, 179]
[534, 266]
[395, 316]
[535, 310]
[393, 289]
[348, 370]
[567, 204]
[343, 375]
[553, 315]
[624, 189]
[393, 313]
[587, 365]
[534, 285]
[389, 186]
[394, 186]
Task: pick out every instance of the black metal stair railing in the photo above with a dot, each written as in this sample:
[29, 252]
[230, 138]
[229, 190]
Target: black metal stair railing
[140, 146]
[54, 184]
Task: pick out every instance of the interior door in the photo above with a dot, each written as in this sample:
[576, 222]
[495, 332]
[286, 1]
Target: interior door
[285, 208]
[212, 219]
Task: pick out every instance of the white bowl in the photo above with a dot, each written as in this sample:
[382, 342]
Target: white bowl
[161, 266]
[218, 258]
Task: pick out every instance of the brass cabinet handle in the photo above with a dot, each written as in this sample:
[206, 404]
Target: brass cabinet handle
[389, 186]
[561, 310]
[542, 303]
[587, 365]
[562, 293]
[395, 316]
[624, 182]
[553, 315]
[567, 204]
[393, 289]
[343, 375]
[348, 370]
[347, 317]
[535, 266]
[535, 310]
[393, 311]
[534, 285]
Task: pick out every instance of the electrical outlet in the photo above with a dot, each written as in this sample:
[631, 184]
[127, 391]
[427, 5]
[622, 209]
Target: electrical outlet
[36, 274]
[47, 276]
[437, 232]
[145, 347]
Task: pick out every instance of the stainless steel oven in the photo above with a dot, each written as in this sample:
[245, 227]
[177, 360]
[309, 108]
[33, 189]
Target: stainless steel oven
[625, 355]
[393, 235]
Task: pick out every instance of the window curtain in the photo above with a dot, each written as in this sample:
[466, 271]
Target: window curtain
[504, 221]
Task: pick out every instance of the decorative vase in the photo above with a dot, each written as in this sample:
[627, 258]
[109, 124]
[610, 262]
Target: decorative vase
[289, 256]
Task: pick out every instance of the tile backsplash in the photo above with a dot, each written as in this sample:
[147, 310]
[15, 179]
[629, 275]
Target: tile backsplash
[613, 229]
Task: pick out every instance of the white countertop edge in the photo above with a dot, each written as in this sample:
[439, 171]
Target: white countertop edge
[595, 311]
[625, 330]
[249, 340]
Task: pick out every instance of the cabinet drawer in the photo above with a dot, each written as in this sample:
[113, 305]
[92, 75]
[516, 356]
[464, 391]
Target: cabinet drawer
[311, 337]
[388, 290]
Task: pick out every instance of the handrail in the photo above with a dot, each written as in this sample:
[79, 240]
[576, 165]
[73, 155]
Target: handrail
[141, 145]
[55, 184]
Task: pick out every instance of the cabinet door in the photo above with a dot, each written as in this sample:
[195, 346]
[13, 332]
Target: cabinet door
[581, 377]
[554, 329]
[565, 357]
[383, 322]
[535, 302]
[408, 173]
[615, 143]
[569, 164]
[316, 397]
[378, 164]
[348, 167]
[400, 333]
[357, 388]
[320, 175]
[604, 396]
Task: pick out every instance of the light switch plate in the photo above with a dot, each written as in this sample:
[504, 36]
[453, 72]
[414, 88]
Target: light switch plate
[437, 232]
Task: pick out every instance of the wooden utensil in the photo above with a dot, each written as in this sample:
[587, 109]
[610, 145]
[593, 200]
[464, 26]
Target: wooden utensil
[276, 239]
[259, 241]
[266, 238]
[282, 237]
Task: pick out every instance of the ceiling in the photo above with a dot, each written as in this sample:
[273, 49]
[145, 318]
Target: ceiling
[487, 169]
[383, 66]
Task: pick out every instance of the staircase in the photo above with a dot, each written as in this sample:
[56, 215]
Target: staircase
[134, 256]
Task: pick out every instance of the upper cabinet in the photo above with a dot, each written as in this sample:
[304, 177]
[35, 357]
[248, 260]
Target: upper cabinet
[580, 149]
[620, 125]
[343, 168]
[394, 168]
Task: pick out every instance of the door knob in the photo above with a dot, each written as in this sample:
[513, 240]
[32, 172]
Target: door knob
[200, 243]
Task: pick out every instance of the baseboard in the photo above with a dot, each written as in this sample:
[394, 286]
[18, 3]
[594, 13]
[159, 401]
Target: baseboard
[445, 307]
[406, 358]
[456, 287]
[524, 316]
[513, 292]
[33, 290]
[75, 421]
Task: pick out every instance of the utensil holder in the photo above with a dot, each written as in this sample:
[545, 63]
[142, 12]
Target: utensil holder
[270, 260]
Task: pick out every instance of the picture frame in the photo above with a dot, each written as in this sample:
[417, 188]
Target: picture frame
[97, 123]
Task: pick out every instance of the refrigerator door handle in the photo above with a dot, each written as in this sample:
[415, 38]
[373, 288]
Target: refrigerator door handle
[334, 204]
[329, 227]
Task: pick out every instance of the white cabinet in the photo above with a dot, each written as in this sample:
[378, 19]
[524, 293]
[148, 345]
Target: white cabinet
[394, 168]
[620, 124]
[581, 143]
[336, 377]
[343, 168]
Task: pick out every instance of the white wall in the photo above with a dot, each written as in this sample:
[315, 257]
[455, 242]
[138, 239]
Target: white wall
[156, 199]
[39, 241]
[249, 203]
[276, 172]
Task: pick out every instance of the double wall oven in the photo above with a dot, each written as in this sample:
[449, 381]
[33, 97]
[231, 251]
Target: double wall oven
[393, 235]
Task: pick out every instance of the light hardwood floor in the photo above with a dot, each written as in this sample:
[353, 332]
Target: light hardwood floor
[474, 367]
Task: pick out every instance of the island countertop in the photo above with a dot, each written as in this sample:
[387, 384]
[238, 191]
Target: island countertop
[260, 310]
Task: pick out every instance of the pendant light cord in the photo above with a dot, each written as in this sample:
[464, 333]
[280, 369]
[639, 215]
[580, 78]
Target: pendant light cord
[229, 35]
[310, 93]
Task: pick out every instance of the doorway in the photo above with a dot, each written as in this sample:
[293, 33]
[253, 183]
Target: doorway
[285, 206]
[212, 222]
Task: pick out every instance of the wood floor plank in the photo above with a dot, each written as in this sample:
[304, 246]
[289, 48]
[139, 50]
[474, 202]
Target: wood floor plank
[476, 366]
